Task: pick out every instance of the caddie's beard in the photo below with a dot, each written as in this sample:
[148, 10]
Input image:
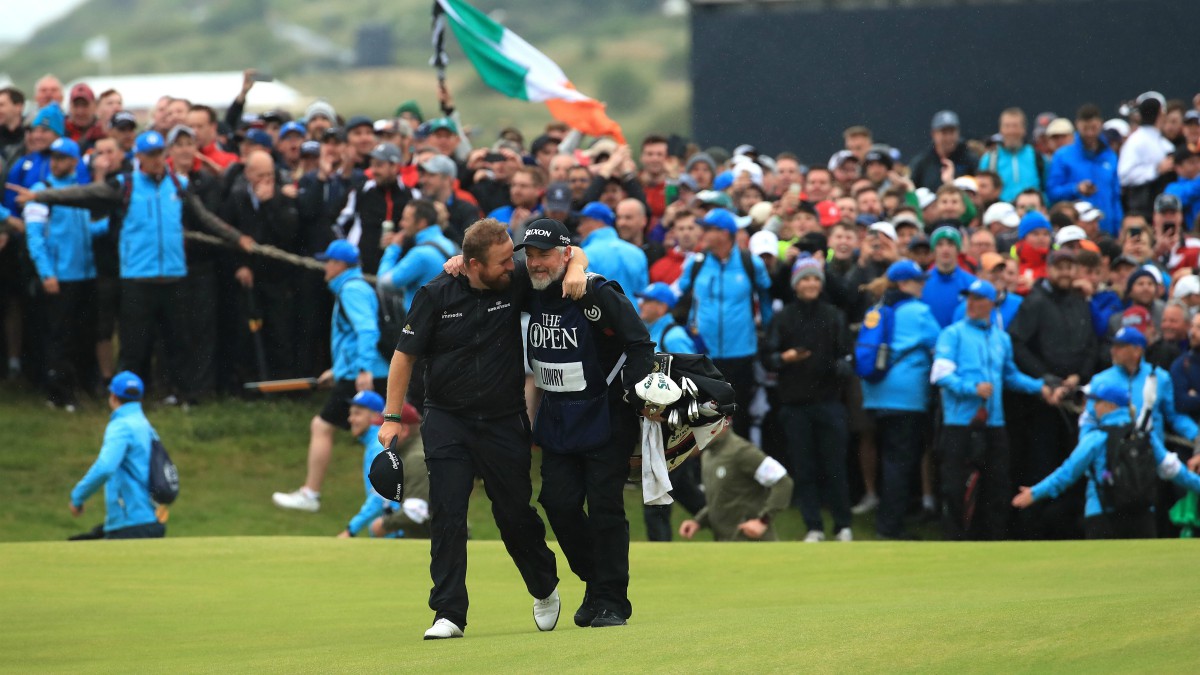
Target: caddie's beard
[541, 280]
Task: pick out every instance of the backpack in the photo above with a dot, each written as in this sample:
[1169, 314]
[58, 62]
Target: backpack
[872, 350]
[683, 309]
[164, 476]
[389, 317]
[1129, 484]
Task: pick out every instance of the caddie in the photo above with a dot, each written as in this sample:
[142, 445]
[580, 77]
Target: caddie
[584, 354]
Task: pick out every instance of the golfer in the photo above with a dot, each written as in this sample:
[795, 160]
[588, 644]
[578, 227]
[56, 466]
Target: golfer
[467, 329]
[584, 354]
[123, 467]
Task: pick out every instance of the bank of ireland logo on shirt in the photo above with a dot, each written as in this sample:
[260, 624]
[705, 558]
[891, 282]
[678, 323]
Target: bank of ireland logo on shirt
[408, 329]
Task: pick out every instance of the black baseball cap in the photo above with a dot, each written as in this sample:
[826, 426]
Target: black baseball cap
[360, 121]
[545, 234]
[123, 118]
[334, 134]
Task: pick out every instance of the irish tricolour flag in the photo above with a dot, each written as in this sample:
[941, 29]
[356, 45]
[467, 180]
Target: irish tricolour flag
[513, 67]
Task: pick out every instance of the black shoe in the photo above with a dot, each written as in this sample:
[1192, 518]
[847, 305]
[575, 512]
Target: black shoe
[607, 617]
[586, 613]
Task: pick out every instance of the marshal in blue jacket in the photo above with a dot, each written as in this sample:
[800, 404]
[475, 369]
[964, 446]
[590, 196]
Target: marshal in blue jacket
[675, 340]
[968, 354]
[617, 260]
[60, 237]
[123, 468]
[723, 303]
[1090, 458]
[1164, 405]
[422, 262]
[906, 385]
[355, 327]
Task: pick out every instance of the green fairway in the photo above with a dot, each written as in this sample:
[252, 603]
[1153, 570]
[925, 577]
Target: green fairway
[322, 606]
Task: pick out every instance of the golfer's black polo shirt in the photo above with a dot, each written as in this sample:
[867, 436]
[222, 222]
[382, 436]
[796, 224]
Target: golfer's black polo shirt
[472, 343]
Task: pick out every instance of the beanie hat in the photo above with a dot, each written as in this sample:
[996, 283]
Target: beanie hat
[52, 118]
[807, 266]
[946, 232]
[1137, 274]
[701, 158]
[411, 108]
[1033, 220]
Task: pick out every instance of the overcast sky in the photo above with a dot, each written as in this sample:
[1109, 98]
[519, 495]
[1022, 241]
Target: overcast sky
[22, 19]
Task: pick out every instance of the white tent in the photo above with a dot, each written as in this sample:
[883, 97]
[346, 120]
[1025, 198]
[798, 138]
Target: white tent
[141, 92]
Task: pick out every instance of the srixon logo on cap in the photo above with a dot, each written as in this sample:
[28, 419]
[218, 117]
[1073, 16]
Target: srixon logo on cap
[539, 233]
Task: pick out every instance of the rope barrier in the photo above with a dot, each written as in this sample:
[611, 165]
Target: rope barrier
[267, 251]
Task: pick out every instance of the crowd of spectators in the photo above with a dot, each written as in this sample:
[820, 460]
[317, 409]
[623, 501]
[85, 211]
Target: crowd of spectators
[1080, 228]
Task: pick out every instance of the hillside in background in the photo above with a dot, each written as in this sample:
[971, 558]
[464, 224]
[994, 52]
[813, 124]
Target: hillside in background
[624, 52]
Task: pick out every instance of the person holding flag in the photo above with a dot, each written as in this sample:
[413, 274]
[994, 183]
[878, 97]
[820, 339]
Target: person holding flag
[515, 68]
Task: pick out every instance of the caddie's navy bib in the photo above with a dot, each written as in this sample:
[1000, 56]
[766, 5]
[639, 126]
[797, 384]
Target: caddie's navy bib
[573, 415]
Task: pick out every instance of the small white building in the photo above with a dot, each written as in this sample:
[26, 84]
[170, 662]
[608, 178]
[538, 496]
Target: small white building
[217, 90]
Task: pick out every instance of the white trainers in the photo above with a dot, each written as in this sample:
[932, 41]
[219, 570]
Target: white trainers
[300, 500]
[443, 629]
[867, 504]
[546, 610]
[845, 534]
[814, 536]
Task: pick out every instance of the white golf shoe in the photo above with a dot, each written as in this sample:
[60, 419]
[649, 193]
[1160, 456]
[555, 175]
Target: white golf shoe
[814, 536]
[546, 610]
[300, 500]
[845, 534]
[443, 629]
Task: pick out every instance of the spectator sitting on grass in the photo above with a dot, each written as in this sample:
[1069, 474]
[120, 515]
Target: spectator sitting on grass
[739, 480]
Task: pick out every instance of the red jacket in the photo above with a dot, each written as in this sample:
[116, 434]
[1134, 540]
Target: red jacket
[1031, 261]
[220, 157]
[668, 268]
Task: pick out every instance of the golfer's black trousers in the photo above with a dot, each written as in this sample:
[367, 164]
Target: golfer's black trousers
[595, 542]
[975, 506]
[456, 449]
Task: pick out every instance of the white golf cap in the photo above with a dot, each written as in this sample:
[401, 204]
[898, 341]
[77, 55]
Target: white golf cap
[906, 218]
[1091, 215]
[1118, 125]
[1003, 213]
[754, 170]
[1189, 285]
[925, 197]
[764, 243]
[967, 183]
[885, 228]
[1069, 234]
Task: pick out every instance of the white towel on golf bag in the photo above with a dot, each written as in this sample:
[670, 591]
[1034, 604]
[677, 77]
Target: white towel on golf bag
[656, 484]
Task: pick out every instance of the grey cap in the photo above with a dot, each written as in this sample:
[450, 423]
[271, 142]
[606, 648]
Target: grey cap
[441, 165]
[387, 152]
[320, 108]
[1167, 202]
[180, 129]
[944, 119]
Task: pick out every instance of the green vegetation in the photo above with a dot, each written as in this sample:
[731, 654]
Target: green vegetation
[323, 605]
[590, 40]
